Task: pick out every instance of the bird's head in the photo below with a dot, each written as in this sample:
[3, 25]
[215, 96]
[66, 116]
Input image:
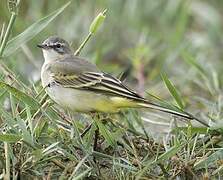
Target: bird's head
[54, 48]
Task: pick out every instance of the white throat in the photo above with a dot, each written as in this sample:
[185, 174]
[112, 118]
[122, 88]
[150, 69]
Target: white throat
[50, 55]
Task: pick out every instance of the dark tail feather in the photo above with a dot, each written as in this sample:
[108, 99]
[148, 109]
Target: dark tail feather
[163, 109]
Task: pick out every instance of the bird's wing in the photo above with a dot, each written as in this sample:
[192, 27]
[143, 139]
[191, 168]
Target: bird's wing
[74, 72]
[96, 82]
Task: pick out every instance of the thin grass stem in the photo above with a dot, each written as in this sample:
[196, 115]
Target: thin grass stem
[7, 33]
[77, 52]
[7, 161]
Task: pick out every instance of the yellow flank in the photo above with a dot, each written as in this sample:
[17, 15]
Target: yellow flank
[113, 104]
[123, 102]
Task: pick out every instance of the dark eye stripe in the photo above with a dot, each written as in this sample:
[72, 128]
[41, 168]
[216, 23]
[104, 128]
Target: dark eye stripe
[56, 45]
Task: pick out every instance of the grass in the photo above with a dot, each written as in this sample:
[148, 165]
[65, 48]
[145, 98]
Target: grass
[39, 140]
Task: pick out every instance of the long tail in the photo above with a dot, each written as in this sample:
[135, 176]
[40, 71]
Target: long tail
[184, 115]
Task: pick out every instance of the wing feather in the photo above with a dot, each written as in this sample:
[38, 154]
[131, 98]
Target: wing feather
[98, 82]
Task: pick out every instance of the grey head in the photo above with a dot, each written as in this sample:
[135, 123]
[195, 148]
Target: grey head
[56, 44]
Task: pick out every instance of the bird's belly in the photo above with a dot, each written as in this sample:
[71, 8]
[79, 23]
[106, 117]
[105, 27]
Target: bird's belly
[82, 101]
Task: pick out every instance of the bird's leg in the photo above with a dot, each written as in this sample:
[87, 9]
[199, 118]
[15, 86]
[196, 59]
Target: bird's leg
[96, 135]
[93, 115]
[86, 130]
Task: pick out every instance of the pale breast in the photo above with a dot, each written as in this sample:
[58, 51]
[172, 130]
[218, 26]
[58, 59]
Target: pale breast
[45, 75]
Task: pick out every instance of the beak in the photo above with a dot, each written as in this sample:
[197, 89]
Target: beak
[42, 46]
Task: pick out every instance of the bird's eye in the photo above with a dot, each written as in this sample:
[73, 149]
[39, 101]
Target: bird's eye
[58, 45]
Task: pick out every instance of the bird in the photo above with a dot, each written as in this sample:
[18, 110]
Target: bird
[78, 85]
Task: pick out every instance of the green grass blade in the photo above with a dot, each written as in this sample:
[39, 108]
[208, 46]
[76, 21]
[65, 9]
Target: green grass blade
[8, 119]
[105, 133]
[50, 148]
[206, 162]
[79, 165]
[163, 103]
[83, 174]
[27, 137]
[20, 95]
[31, 31]
[168, 154]
[162, 158]
[188, 58]
[173, 91]
[200, 130]
[11, 138]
